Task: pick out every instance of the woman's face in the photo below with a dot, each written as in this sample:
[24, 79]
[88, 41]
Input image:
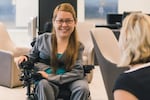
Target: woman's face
[64, 24]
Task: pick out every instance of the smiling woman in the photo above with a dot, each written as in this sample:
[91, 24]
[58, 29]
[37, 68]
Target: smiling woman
[58, 57]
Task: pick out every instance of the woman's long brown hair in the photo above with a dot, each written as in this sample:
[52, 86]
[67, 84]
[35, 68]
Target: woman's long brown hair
[71, 52]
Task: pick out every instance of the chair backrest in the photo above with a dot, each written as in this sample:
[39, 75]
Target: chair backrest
[107, 43]
[7, 44]
[107, 55]
[32, 27]
[5, 41]
[83, 29]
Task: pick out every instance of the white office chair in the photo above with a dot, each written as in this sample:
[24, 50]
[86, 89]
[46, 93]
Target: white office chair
[9, 74]
[108, 55]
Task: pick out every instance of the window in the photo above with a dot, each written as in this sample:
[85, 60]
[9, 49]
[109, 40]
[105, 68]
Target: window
[7, 13]
[96, 10]
[17, 13]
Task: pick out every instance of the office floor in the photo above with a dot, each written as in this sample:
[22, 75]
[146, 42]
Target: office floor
[96, 88]
[22, 38]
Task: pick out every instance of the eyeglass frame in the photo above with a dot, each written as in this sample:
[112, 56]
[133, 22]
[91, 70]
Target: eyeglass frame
[61, 21]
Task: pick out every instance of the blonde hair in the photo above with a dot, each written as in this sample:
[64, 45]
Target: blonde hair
[134, 39]
[71, 52]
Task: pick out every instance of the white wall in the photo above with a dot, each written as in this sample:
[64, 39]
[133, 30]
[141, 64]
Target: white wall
[25, 9]
[81, 10]
[134, 5]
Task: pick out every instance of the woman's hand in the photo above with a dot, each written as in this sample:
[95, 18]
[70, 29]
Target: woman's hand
[44, 74]
[21, 59]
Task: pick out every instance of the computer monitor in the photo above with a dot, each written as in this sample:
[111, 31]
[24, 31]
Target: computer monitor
[113, 18]
[114, 21]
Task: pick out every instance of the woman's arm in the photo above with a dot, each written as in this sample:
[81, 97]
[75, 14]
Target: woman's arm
[123, 95]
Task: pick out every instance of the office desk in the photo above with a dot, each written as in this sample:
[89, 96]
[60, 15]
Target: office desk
[114, 27]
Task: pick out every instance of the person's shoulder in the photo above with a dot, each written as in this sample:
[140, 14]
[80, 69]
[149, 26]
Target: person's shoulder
[45, 35]
[124, 77]
[121, 81]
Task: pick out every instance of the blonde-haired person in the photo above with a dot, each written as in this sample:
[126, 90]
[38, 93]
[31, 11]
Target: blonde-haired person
[58, 57]
[134, 41]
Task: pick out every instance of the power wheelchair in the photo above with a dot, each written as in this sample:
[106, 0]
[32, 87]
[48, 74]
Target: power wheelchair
[29, 76]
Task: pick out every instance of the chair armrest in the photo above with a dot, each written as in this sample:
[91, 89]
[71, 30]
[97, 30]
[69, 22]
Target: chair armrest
[88, 68]
[6, 63]
[89, 52]
[6, 54]
[21, 51]
[88, 71]
[9, 73]
[89, 55]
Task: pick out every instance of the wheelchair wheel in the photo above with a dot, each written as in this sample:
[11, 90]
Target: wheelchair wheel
[32, 97]
[35, 97]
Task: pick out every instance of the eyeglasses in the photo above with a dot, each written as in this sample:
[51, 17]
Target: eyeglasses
[67, 21]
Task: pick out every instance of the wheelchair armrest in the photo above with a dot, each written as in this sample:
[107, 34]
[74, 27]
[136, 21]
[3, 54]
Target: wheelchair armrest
[88, 72]
[88, 68]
